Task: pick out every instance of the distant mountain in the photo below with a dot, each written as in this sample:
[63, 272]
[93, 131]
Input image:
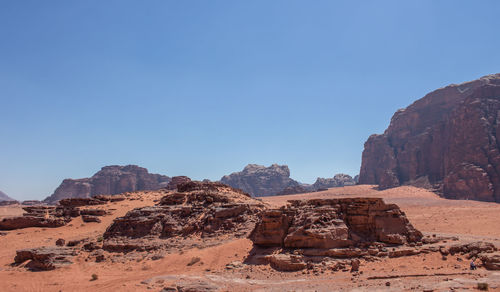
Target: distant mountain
[338, 180]
[4, 197]
[110, 180]
[258, 180]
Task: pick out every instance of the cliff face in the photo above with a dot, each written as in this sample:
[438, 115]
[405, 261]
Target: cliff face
[446, 141]
[259, 180]
[109, 180]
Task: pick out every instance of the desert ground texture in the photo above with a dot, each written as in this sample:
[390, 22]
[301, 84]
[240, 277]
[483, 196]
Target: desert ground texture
[226, 265]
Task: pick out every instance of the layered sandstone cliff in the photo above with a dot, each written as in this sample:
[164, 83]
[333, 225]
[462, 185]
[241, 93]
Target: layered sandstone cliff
[447, 140]
[109, 180]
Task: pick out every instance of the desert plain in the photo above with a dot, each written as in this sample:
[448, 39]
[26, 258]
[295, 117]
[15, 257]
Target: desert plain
[227, 267]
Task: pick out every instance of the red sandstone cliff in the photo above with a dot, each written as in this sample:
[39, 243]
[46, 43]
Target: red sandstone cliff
[446, 140]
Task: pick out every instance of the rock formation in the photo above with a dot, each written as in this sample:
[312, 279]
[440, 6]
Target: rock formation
[338, 180]
[447, 141]
[177, 180]
[198, 210]
[109, 180]
[45, 258]
[60, 215]
[4, 197]
[334, 223]
[259, 180]
[330, 231]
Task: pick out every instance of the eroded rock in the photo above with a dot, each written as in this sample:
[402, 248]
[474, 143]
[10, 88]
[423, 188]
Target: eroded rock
[204, 210]
[45, 258]
[334, 223]
[446, 141]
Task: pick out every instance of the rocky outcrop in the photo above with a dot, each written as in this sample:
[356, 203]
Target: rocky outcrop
[198, 212]
[333, 232]
[45, 258]
[259, 180]
[60, 215]
[12, 223]
[490, 261]
[447, 141]
[109, 180]
[4, 197]
[177, 180]
[338, 180]
[334, 223]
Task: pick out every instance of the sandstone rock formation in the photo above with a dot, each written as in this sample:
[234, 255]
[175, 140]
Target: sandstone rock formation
[447, 141]
[338, 230]
[60, 215]
[4, 197]
[177, 180]
[338, 180]
[45, 258]
[334, 223]
[109, 180]
[259, 180]
[197, 210]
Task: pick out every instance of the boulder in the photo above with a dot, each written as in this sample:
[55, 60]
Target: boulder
[446, 141]
[286, 262]
[490, 261]
[89, 218]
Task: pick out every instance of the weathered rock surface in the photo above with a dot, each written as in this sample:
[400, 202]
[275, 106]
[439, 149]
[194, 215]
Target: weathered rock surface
[57, 216]
[31, 221]
[447, 141]
[109, 180]
[307, 231]
[334, 223]
[259, 180]
[177, 180]
[90, 218]
[4, 197]
[199, 210]
[45, 258]
[491, 261]
[338, 180]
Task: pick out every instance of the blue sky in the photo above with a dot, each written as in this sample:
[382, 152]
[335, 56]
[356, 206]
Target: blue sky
[202, 88]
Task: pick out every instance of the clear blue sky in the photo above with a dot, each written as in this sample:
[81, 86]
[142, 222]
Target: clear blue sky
[202, 88]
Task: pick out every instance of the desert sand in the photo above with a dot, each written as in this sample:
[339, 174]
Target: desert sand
[468, 220]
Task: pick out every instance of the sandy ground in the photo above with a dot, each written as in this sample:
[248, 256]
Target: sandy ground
[433, 215]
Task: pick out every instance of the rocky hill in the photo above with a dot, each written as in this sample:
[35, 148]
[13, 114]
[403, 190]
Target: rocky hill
[259, 180]
[4, 197]
[109, 180]
[338, 180]
[447, 141]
